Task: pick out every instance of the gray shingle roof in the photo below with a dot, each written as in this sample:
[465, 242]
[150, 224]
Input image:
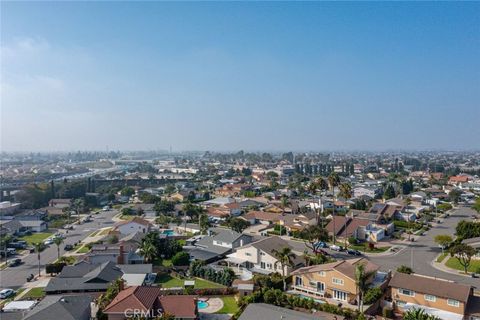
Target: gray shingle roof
[67, 307]
[255, 311]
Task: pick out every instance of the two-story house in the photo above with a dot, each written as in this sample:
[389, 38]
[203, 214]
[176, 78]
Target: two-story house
[137, 224]
[442, 298]
[334, 280]
[217, 244]
[259, 256]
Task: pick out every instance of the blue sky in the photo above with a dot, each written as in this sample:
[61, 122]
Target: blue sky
[229, 76]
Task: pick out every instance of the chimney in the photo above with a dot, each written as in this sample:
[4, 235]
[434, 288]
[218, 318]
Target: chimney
[120, 258]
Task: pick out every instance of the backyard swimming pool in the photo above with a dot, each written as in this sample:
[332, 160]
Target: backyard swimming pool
[202, 304]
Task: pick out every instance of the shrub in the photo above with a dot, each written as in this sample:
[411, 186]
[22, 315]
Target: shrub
[181, 258]
[404, 269]
[372, 295]
[387, 312]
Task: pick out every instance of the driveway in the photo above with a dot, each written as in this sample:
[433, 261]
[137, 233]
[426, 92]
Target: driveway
[420, 254]
[15, 277]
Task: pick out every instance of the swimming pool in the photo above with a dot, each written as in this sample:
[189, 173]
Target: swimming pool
[307, 297]
[168, 232]
[202, 304]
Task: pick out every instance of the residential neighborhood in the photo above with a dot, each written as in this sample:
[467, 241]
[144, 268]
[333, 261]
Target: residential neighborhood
[296, 240]
[239, 160]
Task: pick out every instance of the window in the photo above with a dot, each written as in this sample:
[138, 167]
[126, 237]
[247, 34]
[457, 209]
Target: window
[337, 281]
[339, 295]
[248, 254]
[322, 273]
[430, 297]
[262, 265]
[269, 265]
[320, 286]
[262, 253]
[406, 292]
[298, 281]
[453, 303]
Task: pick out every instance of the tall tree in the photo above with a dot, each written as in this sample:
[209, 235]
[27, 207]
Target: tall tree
[38, 247]
[464, 254]
[443, 240]
[333, 181]
[284, 258]
[58, 241]
[362, 283]
[203, 223]
[312, 235]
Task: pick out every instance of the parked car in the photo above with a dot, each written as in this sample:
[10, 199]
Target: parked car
[30, 277]
[68, 227]
[18, 244]
[106, 208]
[321, 244]
[68, 247]
[354, 252]
[5, 293]
[14, 262]
[335, 247]
[48, 242]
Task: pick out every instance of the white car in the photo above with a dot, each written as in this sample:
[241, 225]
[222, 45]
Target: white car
[5, 293]
[48, 242]
[335, 247]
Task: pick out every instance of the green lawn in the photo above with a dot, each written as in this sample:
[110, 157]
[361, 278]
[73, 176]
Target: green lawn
[230, 305]
[36, 237]
[34, 293]
[455, 264]
[363, 248]
[167, 281]
[83, 249]
[441, 257]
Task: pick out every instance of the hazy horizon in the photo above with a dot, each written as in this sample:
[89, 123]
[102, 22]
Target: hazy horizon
[240, 76]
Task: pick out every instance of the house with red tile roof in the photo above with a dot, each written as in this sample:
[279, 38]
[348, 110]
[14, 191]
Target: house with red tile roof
[149, 302]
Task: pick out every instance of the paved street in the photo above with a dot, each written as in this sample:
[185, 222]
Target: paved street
[15, 277]
[420, 254]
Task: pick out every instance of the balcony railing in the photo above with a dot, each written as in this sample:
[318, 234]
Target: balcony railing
[309, 289]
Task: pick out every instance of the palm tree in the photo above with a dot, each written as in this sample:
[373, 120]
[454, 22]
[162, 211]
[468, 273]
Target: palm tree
[283, 205]
[58, 241]
[333, 181]
[418, 314]
[345, 192]
[362, 283]
[285, 258]
[148, 249]
[38, 246]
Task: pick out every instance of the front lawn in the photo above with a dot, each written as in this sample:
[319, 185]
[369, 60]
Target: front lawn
[167, 281]
[442, 257]
[230, 305]
[36, 237]
[453, 263]
[34, 293]
[364, 248]
[83, 249]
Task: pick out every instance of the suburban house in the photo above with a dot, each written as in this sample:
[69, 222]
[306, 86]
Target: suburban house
[445, 299]
[101, 253]
[137, 224]
[84, 276]
[259, 257]
[360, 192]
[8, 208]
[298, 222]
[137, 274]
[10, 227]
[335, 280]
[60, 203]
[345, 227]
[217, 244]
[262, 217]
[68, 307]
[255, 311]
[149, 303]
